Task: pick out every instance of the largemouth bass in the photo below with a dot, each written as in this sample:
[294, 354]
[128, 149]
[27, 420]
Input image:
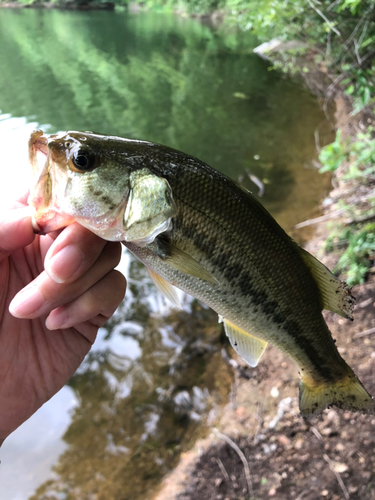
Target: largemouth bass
[196, 229]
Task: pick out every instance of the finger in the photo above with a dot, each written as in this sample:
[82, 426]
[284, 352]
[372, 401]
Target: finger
[21, 199]
[43, 295]
[95, 306]
[73, 252]
[16, 230]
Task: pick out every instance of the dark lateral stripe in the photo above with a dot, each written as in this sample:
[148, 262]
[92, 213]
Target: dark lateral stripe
[238, 278]
[269, 308]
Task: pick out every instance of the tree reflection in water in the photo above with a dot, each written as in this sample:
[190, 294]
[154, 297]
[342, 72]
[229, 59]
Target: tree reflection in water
[154, 374]
[144, 393]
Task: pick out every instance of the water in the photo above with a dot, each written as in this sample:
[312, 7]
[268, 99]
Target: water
[155, 376]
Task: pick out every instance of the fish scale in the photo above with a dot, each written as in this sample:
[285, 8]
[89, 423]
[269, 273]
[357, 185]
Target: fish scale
[239, 308]
[196, 229]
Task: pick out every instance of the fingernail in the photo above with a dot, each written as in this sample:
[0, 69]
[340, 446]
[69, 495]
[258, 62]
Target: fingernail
[56, 319]
[26, 302]
[64, 264]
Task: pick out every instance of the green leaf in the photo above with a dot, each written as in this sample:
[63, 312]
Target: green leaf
[349, 90]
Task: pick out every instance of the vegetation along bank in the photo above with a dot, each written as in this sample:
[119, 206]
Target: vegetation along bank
[272, 452]
[331, 45]
[261, 448]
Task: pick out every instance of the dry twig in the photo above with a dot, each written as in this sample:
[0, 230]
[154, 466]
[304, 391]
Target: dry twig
[316, 433]
[364, 333]
[233, 445]
[322, 218]
[302, 494]
[222, 468]
[335, 213]
[329, 24]
[338, 477]
[258, 418]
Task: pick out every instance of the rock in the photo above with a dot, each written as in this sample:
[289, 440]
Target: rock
[339, 467]
[276, 45]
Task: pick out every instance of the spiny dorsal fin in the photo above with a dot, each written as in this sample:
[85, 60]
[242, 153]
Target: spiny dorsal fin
[183, 262]
[248, 347]
[165, 288]
[335, 293]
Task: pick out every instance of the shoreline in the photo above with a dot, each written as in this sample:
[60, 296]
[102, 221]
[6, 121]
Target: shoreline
[262, 418]
[70, 5]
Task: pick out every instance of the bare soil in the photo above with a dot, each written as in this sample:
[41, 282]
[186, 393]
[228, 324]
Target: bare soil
[331, 456]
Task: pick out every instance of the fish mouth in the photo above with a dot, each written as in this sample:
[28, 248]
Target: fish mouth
[38, 150]
[47, 217]
[49, 220]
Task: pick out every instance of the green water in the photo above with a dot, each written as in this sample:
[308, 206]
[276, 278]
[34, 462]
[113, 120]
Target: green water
[144, 393]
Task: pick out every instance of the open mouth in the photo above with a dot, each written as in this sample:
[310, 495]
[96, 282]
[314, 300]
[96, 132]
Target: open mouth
[47, 216]
[38, 150]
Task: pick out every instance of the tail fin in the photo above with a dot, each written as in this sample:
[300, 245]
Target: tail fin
[348, 393]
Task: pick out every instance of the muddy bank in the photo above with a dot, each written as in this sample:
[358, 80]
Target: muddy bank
[260, 447]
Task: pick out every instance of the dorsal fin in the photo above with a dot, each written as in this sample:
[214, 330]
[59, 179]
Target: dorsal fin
[165, 288]
[250, 348]
[336, 294]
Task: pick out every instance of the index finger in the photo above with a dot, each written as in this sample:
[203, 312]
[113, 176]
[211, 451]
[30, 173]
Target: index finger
[72, 253]
[15, 230]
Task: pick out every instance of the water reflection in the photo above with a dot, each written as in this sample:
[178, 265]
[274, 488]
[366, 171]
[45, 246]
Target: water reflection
[27, 456]
[165, 79]
[155, 374]
[143, 393]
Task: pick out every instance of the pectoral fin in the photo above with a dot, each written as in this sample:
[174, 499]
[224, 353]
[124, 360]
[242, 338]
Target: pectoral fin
[336, 296]
[248, 347]
[183, 262]
[165, 288]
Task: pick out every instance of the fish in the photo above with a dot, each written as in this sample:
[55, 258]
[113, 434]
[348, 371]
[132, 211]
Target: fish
[197, 230]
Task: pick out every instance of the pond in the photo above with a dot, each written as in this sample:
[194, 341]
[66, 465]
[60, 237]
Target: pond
[156, 376]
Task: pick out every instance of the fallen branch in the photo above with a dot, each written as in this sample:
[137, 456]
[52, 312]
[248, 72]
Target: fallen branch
[233, 445]
[365, 218]
[335, 213]
[320, 13]
[322, 218]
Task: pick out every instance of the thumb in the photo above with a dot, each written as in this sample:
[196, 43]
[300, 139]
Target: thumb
[16, 230]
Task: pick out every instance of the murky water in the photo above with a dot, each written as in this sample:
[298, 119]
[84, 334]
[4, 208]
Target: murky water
[155, 375]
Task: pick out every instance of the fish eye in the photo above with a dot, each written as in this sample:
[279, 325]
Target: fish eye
[83, 160]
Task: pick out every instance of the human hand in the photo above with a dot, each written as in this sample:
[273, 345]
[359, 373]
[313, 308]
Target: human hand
[63, 282]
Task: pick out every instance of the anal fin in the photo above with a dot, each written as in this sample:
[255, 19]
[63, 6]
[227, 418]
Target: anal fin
[247, 346]
[165, 288]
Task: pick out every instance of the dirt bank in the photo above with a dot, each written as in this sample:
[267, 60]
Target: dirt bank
[261, 448]
[331, 457]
